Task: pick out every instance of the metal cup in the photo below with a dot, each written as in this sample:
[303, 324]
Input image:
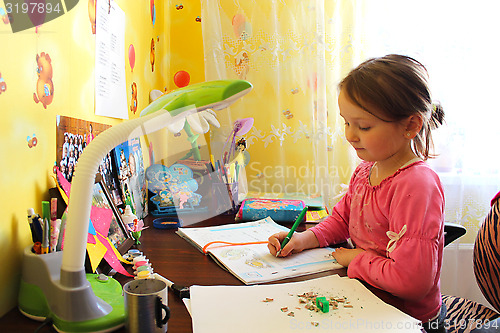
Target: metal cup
[146, 306]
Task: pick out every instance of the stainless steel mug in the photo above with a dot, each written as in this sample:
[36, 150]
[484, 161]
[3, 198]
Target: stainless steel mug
[146, 306]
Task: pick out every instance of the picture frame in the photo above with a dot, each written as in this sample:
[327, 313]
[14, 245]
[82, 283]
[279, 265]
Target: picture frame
[118, 234]
[72, 137]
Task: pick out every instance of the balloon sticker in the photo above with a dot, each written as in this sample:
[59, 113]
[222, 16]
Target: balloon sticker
[181, 79]
[131, 56]
[37, 17]
[153, 11]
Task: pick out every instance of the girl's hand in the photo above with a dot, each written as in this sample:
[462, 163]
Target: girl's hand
[298, 243]
[274, 242]
[345, 256]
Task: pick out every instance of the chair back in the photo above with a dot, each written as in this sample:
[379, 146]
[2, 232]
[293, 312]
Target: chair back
[487, 256]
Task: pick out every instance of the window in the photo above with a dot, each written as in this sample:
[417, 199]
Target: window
[458, 43]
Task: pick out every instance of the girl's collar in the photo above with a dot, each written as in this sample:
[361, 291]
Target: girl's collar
[413, 160]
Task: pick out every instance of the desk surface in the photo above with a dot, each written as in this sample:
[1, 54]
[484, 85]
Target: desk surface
[180, 262]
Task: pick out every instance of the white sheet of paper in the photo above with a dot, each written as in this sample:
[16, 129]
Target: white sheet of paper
[220, 309]
[110, 85]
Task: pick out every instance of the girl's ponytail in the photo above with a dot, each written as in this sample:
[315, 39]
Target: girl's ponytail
[437, 115]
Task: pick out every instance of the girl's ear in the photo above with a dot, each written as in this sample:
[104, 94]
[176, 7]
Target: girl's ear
[413, 126]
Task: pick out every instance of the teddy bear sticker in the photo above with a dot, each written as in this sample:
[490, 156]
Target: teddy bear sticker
[44, 86]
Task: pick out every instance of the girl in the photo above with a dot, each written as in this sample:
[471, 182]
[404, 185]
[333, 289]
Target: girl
[393, 211]
[90, 135]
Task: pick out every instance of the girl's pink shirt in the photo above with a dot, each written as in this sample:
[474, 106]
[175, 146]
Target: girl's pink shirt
[409, 266]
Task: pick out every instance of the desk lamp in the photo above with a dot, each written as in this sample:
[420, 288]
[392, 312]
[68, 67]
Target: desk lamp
[55, 285]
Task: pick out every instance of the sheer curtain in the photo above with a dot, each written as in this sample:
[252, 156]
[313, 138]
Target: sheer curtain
[457, 41]
[294, 52]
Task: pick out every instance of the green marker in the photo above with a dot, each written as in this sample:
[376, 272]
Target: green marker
[294, 227]
[46, 210]
[46, 227]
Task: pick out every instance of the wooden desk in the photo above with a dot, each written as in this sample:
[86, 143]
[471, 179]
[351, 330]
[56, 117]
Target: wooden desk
[177, 260]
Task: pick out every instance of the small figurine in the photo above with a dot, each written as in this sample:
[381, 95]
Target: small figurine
[134, 225]
[136, 230]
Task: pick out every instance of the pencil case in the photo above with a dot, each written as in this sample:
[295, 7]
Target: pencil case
[280, 210]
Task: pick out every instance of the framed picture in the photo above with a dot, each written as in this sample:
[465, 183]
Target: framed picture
[118, 233]
[72, 137]
[129, 165]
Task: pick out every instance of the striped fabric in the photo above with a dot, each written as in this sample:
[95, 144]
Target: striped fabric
[487, 256]
[464, 315]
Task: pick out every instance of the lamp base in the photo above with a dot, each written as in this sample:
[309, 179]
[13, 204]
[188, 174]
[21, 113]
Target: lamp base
[36, 297]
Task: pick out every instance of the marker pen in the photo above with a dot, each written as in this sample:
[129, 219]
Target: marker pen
[38, 225]
[46, 223]
[53, 209]
[61, 231]
[46, 232]
[181, 291]
[46, 210]
[34, 237]
[54, 234]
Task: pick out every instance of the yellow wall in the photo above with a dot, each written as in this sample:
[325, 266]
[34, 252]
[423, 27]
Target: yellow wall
[26, 172]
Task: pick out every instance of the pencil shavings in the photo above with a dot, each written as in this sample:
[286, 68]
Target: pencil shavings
[268, 300]
[291, 314]
[311, 301]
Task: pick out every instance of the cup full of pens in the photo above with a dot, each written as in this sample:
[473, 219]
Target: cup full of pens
[45, 229]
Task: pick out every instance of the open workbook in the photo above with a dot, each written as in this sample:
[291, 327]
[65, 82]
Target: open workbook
[252, 263]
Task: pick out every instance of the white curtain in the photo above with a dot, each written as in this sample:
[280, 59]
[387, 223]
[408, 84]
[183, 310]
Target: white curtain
[294, 52]
[457, 42]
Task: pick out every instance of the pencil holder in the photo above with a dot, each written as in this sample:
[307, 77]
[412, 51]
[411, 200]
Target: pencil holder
[225, 197]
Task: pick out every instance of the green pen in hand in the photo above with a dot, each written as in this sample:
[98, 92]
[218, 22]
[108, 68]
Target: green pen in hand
[294, 227]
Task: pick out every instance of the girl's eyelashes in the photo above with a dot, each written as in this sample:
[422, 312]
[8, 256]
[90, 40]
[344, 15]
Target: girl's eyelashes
[361, 128]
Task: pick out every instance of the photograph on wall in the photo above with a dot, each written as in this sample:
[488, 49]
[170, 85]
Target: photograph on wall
[72, 136]
[129, 164]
